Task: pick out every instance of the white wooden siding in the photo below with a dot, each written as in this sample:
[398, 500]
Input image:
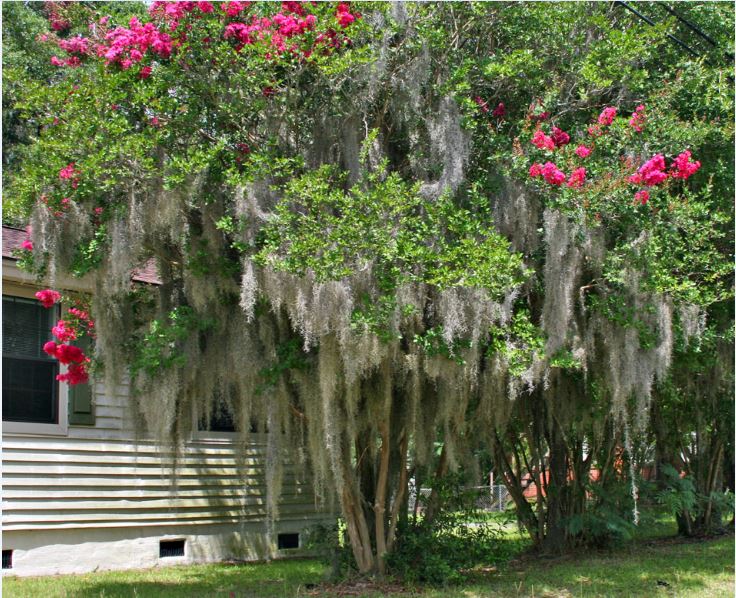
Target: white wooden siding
[98, 476]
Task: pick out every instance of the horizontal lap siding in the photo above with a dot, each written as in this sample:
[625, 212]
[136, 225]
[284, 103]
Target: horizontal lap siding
[61, 483]
[98, 477]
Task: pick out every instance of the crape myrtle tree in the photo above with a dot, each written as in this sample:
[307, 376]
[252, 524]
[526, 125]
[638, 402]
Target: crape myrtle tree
[379, 227]
[628, 234]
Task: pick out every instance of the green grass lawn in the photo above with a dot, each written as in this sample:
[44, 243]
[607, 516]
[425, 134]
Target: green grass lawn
[640, 568]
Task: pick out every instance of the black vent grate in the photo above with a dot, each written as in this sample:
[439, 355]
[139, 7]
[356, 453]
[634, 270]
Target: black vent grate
[7, 559]
[288, 541]
[169, 548]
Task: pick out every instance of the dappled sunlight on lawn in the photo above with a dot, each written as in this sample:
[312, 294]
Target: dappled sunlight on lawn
[663, 567]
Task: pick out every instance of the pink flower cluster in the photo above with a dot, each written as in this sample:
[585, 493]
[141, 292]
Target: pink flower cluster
[577, 178]
[279, 28]
[651, 172]
[549, 142]
[344, 16]
[550, 173]
[559, 137]
[290, 22]
[126, 47]
[66, 331]
[57, 21]
[76, 374]
[606, 117]
[27, 244]
[70, 61]
[66, 354]
[75, 45]
[543, 141]
[48, 297]
[498, 112]
[70, 173]
[638, 118]
[642, 196]
[232, 9]
[175, 11]
[682, 167]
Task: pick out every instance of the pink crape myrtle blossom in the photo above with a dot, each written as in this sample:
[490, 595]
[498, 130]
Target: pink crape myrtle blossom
[296, 7]
[535, 170]
[76, 45]
[682, 167]
[543, 141]
[638, 119]
[482, 104]
[76, 374]
[499, 111]
[606, 117]
[232, 9]
[50, 348]
[651, 172]
[344, 17]
[642, 196]
[127, 46]
[70, 173]
[48, 297]
[577, 178]
[67, 354]
[552, 174]
[64, 332]
[559, 137]
[582, 151]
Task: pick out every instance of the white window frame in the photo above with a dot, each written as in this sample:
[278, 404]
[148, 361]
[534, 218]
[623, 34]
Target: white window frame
[61, 428]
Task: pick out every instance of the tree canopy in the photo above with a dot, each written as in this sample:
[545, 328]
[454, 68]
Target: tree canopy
[382, 228]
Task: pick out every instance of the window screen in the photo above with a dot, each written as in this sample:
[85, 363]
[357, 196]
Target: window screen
[29, 375]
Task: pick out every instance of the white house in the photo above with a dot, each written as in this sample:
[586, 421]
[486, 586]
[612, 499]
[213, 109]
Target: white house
[81, 491]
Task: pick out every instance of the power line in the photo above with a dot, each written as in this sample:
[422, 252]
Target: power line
[652, 23]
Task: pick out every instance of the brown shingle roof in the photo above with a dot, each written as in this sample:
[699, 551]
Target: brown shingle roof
[14, 237]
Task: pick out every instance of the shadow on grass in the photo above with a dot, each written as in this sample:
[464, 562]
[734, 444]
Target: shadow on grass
[267, 580]
[702, 569]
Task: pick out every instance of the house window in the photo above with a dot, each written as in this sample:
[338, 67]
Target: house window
[221, 419]
[30, 389]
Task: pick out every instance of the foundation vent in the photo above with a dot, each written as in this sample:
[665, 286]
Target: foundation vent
[288, 541]
[7, 559]
[170, 548]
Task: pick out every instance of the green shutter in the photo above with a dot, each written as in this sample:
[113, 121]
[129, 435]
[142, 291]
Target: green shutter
[81, 408]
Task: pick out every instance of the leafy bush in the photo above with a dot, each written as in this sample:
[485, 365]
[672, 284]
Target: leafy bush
[609, 517]
[440, 550]
[330, 544]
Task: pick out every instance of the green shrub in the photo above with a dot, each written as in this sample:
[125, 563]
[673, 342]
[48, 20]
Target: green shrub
[442, 550]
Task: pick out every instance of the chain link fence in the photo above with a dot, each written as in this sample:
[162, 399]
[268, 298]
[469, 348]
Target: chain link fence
[489, 498]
